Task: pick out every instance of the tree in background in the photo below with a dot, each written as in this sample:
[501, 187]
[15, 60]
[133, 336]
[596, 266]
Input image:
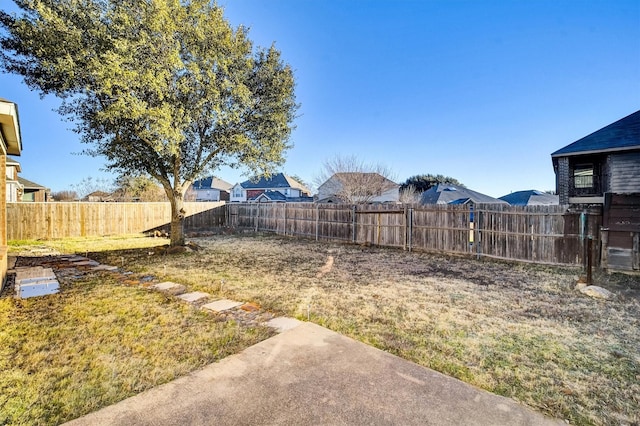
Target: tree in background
[138, 188]
[165, 88]
[409, 195]
[66, 195]
[421, 183]
[352, 180]
[89, 185]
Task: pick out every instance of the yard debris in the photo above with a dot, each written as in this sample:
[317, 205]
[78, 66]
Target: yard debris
[193, 246]
[250, 307]
[160, 233]
[594, 291]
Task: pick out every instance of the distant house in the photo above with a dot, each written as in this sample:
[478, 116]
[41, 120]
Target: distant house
[14, 192]
[212, 189]
[530, 198]
[33, 192]
[276, 188]
[98, 197]
[446, 193]
[358, 187]
[10, 144]
[606, 161]
[21, 189]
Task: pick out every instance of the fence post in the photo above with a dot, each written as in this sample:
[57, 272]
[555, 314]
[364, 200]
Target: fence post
[353, 224]
[635, 252]
[410, 228]
[604, 248]
[477, 238]
[256, 215]
[589, 260]
[404, 243]
[284, 231]
[317, 221]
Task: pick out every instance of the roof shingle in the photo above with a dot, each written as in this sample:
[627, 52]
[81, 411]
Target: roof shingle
[620, 135]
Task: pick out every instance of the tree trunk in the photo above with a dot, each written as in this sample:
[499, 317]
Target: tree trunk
[177, 220]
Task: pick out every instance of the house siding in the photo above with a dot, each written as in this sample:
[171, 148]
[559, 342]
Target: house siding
[624, 173]
[3, 215]
[207, 195]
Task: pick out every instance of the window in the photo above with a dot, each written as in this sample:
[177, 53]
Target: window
[237, 192]
[583, 176]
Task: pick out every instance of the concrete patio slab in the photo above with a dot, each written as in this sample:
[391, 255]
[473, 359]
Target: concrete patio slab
[313, 376]
[283, 323]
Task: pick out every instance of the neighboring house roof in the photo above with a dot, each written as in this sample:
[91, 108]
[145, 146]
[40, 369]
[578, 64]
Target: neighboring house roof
[276, 181]
[270, 195]
[622, 135]
[212, 182]
[445, 193]
[101, 195]
[359, 176]
[338, 181]
[27, 184]
[277, 196]
[13, 162]
[10, 126]
[531, 198]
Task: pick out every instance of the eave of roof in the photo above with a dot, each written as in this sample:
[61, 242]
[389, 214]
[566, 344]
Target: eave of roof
[30, 184]
[622, 135]
[10, 126]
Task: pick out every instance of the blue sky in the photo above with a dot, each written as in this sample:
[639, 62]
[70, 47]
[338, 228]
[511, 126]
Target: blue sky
[480, 91]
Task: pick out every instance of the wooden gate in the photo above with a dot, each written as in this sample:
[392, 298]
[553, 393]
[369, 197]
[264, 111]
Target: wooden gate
[621, 232]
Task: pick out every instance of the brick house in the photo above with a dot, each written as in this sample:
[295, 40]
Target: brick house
[606, 161]
[10, 144]
[264, 190]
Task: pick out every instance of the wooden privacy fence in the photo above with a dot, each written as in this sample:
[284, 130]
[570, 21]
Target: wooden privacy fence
[541, 234]
[80, 219]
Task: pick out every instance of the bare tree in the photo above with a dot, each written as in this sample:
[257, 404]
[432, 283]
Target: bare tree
[410, 195]
[65, 195]
[89, 185]
[138, 188]
[353, 181]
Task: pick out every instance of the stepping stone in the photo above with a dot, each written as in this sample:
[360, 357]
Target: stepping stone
[194, 297]
[283, 323]
[43, 287]
[86, 263]
[104, 268]
[222, 305]
[169, 288]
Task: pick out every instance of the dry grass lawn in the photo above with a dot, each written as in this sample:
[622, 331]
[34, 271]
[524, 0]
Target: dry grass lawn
[521, 331]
